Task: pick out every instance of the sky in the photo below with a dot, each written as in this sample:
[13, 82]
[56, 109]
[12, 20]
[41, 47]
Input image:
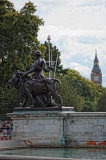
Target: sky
[77, 28]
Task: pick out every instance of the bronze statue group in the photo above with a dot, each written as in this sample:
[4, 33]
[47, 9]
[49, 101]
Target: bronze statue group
[36, 87]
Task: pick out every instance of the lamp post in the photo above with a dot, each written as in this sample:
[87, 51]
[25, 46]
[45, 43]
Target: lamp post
[48, 38]
[55, 65]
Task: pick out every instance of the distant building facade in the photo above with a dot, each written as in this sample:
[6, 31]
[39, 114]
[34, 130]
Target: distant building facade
[96, 74]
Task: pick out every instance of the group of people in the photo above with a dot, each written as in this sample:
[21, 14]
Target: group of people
[7, 130]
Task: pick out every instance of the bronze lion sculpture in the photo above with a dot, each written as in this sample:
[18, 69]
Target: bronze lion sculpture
[39, 91]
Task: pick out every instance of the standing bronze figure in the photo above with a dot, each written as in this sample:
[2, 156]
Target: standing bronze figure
[38, 67]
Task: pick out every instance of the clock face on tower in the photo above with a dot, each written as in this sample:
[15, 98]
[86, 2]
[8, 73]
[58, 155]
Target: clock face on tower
[96, 78]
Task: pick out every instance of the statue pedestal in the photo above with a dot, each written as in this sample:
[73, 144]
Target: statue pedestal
[22, 109]
[59, 128]
[40, 127]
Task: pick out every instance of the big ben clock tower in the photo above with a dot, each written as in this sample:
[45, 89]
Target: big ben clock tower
[96, 75]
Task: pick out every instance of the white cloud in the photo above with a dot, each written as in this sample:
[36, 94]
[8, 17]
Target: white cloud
[74, 17]
[83, 70]
[69, 41]
[74, 14]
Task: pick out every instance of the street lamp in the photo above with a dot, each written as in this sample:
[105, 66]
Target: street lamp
[48, 38]
[55, 65]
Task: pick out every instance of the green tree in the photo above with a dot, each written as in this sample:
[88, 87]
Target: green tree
[84, 89]
[88, 106]
[9, 98]
[19, 31]
[7, 17]
[101, 104]
[69, 94]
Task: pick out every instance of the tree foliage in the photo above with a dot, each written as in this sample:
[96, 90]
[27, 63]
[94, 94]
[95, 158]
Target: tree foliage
[84, 87]
[69, 94]
[101, 104]
[19, 31]
[79, 91]
[9, 98]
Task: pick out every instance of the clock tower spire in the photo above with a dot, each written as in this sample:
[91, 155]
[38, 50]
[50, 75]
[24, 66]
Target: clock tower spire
[96, 75]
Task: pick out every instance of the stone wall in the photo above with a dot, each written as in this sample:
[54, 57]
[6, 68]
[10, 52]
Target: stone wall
[60, 129]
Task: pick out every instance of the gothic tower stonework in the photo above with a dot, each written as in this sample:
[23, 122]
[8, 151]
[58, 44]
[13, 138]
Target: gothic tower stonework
[96, 75]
